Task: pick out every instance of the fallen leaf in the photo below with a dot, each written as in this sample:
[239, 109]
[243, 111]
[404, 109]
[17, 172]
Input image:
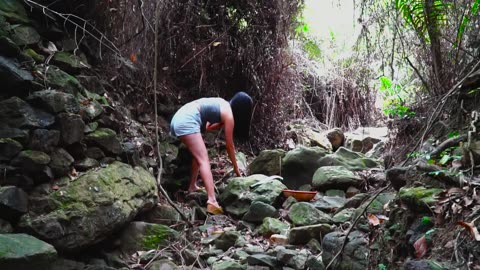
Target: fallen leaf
[133, 57]
[421, 247]
[471, 228]
[215, 44]
[373, 220]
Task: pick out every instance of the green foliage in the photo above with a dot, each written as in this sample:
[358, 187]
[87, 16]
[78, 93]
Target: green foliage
[473, 11]
[414, 14]
[310, 44]
[395, 97]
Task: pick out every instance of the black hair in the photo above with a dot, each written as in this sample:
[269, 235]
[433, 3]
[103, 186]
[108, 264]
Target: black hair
[242, 105]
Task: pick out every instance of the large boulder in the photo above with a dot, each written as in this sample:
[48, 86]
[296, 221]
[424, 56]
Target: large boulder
[19, 114]
[299, 165]
[349, 159]
[268, 162]
[242, 191]
[334, 177]
[24, 252]
[354, 255]
[89, 209]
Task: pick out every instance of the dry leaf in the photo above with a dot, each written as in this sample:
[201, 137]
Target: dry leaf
[215, 44]
[373, 220]
[421, 247]
[471, 228]
[133, 58]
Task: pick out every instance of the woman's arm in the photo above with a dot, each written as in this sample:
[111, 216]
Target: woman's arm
[227, 118]
[211, 127]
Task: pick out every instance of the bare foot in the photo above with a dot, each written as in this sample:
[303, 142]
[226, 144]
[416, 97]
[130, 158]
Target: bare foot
[195, 189]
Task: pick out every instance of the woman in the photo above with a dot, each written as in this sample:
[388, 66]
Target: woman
[211, 114]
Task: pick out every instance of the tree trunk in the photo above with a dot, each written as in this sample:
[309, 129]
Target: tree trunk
[435, 47]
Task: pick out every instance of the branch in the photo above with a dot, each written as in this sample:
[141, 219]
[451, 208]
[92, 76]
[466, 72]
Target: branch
[355, 223]
[155, 79]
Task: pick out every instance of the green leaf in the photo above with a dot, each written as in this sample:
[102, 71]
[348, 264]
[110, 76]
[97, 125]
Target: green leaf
[445, 159]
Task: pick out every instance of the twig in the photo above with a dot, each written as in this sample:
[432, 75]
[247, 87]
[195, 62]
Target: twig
[160, 168]
[355, 223]
[448, 143]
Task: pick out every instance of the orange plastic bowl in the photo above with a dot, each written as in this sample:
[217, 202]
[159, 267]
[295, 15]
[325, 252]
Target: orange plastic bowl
[299, 195]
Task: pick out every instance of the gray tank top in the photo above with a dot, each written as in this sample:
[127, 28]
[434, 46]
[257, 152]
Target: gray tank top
[209, 110]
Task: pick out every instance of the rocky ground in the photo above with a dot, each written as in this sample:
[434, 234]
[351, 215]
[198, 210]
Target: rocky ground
[77, 189]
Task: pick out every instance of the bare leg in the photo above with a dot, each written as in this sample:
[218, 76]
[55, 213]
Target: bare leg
[196, 145]
[193, 178]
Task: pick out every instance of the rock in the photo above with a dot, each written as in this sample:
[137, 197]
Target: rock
[268, 162]
[18, 114]
[299, 165]
[14, 11]
[140, 235]
[78, 150]
[38, 58]
[335, 193]
[242, 191]
[419, 199]
[62, 81]
[336, 138]
[355, 253]
[351, 191]
[164, 264]
[13, 176]
[163, 214]
[9, 148]
[90, 208]
[303, 234]
[86, 164]
[303, 213]
[362, 145]
[20, 135]
[31, 161]
[106, 139]
[353, 161]
[25, 35]
[69, 62]
[90, 109]
[397, 176]
[227, 240]
[329, 204]
[23, 252]
[13, 203]
[314, 263]
[335, 177]
[262, 260]
[44, 140]
[95, 153]
[258, 211]
[272, 226]
[8, 47]
[60, 162]
[5, 227]
[71, 128]
[228, 265]
[92, 83]
[54, 101]
[344, 215]
[292, 258]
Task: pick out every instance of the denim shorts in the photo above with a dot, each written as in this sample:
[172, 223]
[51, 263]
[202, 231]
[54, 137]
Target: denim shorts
[187, 120]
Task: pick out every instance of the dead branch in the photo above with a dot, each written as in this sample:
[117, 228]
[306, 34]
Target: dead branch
[448, 143]
[355, 223]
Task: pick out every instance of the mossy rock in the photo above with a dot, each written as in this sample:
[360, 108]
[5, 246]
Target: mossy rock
[31, 161]
[34, 55]
[9, 148]
[299, 165]
[419, 199]
[337, 177]
[351, 160]
[146, 236]
[106, 139]
[272, 226]
[303, 213]
[69, 62]
[268, 162]
[25, 35]
[242, 191]
[14, 11]
[93, 206]
[62, 81]
[22, 252]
